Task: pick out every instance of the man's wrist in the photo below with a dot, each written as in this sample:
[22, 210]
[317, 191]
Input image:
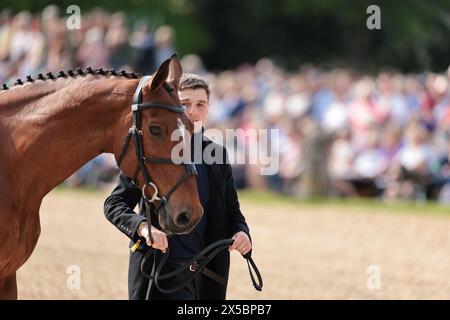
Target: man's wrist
[141, 225]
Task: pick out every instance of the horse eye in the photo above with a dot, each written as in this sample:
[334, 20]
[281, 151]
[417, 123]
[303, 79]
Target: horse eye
[155, 130]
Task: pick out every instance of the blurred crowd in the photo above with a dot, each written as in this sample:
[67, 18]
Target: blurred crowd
[31, 43]
[342, 133]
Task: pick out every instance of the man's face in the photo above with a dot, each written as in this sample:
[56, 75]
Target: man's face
[196, 103]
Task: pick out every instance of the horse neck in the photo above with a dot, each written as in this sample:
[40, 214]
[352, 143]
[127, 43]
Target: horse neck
[55, 135]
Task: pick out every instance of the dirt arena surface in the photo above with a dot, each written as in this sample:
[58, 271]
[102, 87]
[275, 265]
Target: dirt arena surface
[303, 252]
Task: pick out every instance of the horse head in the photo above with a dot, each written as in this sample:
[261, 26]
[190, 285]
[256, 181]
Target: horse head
[167, 185]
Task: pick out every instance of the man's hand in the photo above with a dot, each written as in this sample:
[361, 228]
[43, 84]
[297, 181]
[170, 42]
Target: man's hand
[159, 237]
[241, 243]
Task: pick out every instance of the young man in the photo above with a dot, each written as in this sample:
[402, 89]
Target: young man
[222, 219]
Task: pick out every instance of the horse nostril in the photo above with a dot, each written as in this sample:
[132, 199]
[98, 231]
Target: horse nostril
[183, 219]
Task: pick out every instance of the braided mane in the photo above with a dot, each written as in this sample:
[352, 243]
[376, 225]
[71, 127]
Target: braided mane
[73, 74]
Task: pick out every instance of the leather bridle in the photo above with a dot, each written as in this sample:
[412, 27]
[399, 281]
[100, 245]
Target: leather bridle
[156, 201]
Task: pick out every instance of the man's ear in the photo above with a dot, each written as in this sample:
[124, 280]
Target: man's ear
[175, 71]
[160, 75]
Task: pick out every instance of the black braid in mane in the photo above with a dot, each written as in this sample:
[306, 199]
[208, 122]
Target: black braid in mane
[75, 73]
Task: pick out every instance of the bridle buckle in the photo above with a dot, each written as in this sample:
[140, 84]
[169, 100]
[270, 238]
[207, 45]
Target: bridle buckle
[193, 266]
[134, 129]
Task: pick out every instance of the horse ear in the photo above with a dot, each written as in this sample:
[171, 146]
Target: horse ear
[160, 75]
[175, 71]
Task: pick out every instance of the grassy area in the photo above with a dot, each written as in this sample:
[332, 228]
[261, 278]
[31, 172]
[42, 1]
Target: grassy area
[270, 198]
[275, 199]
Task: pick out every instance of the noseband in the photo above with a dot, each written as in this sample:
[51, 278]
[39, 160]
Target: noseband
[136, 133]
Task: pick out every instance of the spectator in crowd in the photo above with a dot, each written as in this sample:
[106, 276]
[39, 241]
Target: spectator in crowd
[142, 43]
[164, 43]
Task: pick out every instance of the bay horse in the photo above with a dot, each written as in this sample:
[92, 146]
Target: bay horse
[53, 125]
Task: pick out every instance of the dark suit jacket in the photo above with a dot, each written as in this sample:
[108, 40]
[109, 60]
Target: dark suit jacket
[224, 220]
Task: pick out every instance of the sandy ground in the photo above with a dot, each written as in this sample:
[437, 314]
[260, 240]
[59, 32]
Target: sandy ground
[303, 252]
